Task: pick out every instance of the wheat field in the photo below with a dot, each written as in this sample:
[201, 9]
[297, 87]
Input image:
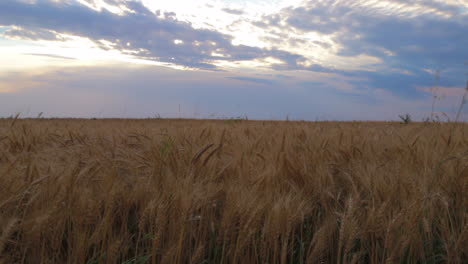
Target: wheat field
[232, 191]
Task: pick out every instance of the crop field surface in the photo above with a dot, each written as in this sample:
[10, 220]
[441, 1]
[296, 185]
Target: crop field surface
[232, 191]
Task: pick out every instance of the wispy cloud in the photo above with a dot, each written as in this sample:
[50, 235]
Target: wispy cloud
[50, 56]
[233, 11]
[254, 80]
[404, 36]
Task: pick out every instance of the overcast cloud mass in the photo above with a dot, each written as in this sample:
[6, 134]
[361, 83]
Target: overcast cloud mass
[324, 59]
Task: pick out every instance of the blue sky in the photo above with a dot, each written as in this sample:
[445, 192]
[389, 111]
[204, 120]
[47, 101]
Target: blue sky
[323, 59]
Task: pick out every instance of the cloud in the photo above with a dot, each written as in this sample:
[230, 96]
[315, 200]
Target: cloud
[401, 38]
[445, 91]
[254, 80]
[405, 36]
[137, 32]
[50, 56]
[271, 20]
[37, 34]
[414, 34]
[233, 11]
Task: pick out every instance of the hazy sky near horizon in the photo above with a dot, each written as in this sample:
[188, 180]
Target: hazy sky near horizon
[322, 59]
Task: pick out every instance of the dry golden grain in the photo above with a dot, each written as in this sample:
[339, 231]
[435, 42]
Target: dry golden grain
[215, 191]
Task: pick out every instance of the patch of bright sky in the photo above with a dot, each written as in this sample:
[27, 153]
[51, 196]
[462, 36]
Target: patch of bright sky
[12, 57]
[208, 14]
[205, 13]
[21, 54]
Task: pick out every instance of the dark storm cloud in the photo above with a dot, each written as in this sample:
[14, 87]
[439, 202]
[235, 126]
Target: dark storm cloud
[140, 33]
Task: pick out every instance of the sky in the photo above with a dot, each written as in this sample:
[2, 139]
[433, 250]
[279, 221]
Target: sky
[276, 59]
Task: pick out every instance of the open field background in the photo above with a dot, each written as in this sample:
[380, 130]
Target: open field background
[232, 191]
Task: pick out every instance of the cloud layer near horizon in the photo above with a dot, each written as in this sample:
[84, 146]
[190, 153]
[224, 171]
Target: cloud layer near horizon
[149, 91]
